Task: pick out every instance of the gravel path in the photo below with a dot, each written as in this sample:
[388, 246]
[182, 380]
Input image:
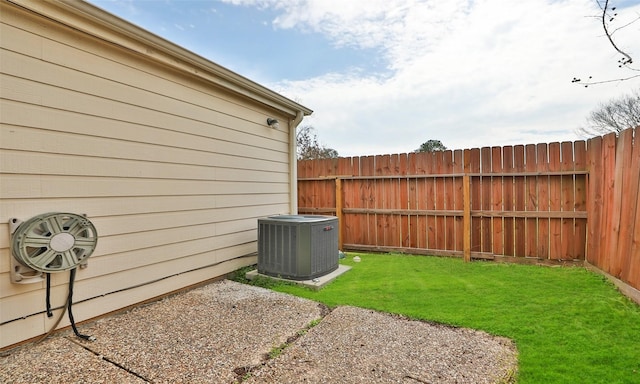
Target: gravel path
[225, 331]
[355, 345]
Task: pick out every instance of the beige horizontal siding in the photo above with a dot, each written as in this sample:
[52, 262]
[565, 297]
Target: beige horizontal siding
[172, 170]
[36, 116]
[26, 138]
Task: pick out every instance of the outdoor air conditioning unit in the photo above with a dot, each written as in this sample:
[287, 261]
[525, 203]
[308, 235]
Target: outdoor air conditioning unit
[298, 247]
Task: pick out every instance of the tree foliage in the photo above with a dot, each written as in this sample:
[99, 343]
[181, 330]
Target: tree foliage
[615, 115]
[309, 147]
[431, 146]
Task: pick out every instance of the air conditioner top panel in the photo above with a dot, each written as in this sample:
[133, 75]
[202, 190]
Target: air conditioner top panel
[301, 218]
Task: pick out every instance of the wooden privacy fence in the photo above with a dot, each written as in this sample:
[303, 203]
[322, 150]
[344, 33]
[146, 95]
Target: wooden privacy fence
[556, 203]
[613, 206]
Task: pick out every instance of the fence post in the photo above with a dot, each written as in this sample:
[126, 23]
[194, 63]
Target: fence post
[339, 211]
[466, 201]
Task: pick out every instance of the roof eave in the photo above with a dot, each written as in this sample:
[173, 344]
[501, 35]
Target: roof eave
[135, 38]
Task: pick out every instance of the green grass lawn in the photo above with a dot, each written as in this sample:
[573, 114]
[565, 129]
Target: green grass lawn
[570, 325]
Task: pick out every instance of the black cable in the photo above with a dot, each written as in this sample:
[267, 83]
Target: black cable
[48, 298]
[132, 287]
[72, 278]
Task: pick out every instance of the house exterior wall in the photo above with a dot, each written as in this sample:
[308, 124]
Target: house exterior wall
[170, 160]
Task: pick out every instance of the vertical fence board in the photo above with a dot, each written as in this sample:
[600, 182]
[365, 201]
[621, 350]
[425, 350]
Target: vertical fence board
[309, 186]
[323, 194]
[608, 193]
[449, 221]
[327, 195]
[339, 205]
[633, 261]
[567, 199]
[358, 235]
[351, 228]
[631, 215]
[466, 203]
[381, 220]
[621, 184]
[345, 168]
[475, 195]
[520, 198]
[508, 188]
[367, 167]
[594, 202]
[496, 200]
[555, 204]
[398, 201]
[458, 168]
[440, 228]
[403, 196]
[313, 187]
[626, 184]
[542, 165]
[380, 186]
[421, 200]
[392, 235]
[580, 230]
[431, 201]
[412, 202]
[302, 185]
[531, 200]
[485, 199]
[633, 267]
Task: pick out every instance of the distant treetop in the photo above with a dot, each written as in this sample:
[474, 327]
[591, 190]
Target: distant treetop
[431, 146]
[309, 148]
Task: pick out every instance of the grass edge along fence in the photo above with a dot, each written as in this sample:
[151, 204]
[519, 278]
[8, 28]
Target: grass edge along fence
[556, 203]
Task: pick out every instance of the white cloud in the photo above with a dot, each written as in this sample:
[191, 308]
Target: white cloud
[468, 73]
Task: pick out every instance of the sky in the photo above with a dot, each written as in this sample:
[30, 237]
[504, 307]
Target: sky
[384, 76]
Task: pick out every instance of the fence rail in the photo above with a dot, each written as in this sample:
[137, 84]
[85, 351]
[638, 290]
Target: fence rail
[554, 203]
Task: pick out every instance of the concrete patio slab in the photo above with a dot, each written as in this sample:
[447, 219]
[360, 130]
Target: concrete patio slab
[206, 335]
[227, 332]
[316, 283]
[61, 359]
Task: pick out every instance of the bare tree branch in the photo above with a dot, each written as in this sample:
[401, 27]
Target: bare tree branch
[625, 62]
[587, 83]
[626, 25]
[628, 59]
